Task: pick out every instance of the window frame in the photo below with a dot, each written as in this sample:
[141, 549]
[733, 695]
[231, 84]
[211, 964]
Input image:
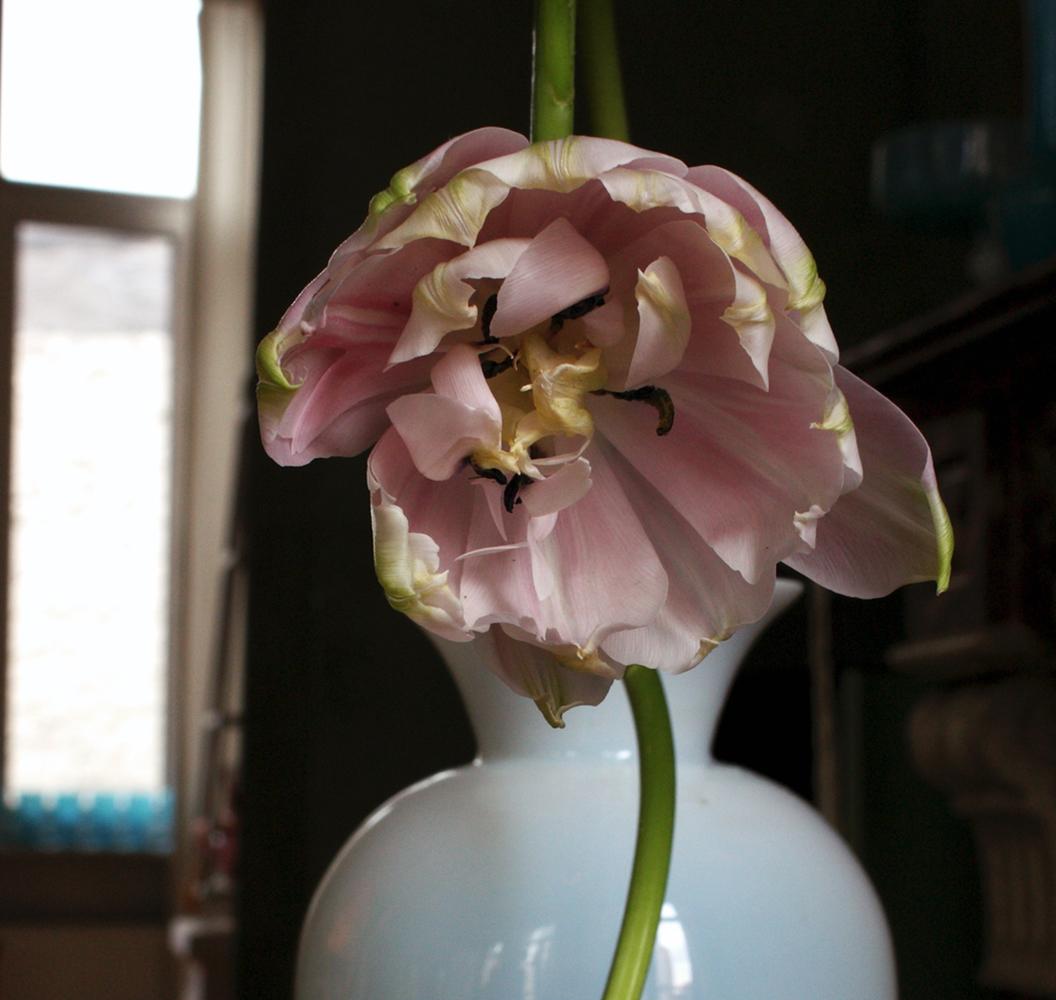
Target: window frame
[212, 235]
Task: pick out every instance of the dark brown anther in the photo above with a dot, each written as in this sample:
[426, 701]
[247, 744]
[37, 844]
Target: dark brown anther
[577, 309]
[656, 397]
[493, 368]
[494, 474]
[487, 314]
[513, 487]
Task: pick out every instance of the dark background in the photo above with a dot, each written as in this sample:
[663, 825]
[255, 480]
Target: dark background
[346, 703]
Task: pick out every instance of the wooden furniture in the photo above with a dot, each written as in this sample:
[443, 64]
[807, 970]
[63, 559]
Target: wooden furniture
[978, 377]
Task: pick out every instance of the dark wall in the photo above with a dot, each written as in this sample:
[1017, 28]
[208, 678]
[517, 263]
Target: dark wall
[345, 702]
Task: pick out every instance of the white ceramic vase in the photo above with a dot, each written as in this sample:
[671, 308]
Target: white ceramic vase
[506, 879]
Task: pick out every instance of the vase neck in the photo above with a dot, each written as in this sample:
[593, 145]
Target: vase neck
[508, 725]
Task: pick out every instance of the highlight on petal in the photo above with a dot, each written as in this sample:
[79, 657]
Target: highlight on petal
[566, 164]
[893, 529]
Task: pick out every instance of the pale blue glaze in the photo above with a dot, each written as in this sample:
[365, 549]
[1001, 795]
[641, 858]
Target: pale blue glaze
[505, 880]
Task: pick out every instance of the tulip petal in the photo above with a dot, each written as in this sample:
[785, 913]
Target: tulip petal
[440, 432]
[537, 674]
[645, 190]
[439, 166]
[441, 511]
[893, 529]
[558, 269]
[606, 574]
[441, 300]
[739, 462]
[566, 164]
[731, 321]
[706, 600]
[663, 322]
[554, 493]
[806, 290]
[315, 403]
[455, 212]
[458, 375]
[391, 206]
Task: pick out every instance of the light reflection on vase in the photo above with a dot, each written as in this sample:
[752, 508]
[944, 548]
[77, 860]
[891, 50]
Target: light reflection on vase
[505, 880]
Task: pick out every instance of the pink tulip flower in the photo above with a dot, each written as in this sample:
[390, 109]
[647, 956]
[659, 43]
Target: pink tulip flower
[604, 404]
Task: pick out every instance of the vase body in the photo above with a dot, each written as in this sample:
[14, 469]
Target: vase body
[506, 879]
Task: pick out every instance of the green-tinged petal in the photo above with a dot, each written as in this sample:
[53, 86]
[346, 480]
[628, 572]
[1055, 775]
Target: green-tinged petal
[892, 529]
[535, 672]
[753, 321]
[407, 567]
[642, 190]
[944, 536]
[566, 164]
[274, 389]
[456, 212]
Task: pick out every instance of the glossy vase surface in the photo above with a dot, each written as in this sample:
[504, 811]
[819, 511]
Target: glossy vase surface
[506, 879]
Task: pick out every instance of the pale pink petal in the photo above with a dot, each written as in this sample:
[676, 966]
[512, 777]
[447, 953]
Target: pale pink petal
[739, 462]
[732, 326]
[706, 600]
[558, 269]
[647, 191]
[442, 298]
[443, 511]
[893, 529]
[389, 207]
[381, 281]
[663, 322]
[440, 432]
[606, 574]
[458, 375]
[564, 488]
[542, 572]
[538, 675]
[322, 402]
[526, 213]
[566, 164]
[806, 290]
[607, 325]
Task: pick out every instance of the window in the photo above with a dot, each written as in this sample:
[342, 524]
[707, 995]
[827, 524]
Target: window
[99, 124]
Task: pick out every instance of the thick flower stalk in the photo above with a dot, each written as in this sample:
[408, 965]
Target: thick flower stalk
[604, 404]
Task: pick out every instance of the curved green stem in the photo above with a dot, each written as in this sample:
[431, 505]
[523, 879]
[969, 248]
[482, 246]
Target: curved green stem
[656, 828]
[601, 70]
[554, 69]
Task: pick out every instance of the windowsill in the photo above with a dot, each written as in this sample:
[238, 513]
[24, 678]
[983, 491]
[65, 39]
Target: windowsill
[37, 887]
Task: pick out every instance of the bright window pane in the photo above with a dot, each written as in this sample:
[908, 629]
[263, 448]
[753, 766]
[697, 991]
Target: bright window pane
[89, 513]
[101, 94]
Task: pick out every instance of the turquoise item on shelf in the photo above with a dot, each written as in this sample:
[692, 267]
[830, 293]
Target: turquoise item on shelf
[75, 821]
[506, 879]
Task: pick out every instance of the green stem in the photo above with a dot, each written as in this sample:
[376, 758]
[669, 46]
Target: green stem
[554, 69]
[656, 828]
[601, 70]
